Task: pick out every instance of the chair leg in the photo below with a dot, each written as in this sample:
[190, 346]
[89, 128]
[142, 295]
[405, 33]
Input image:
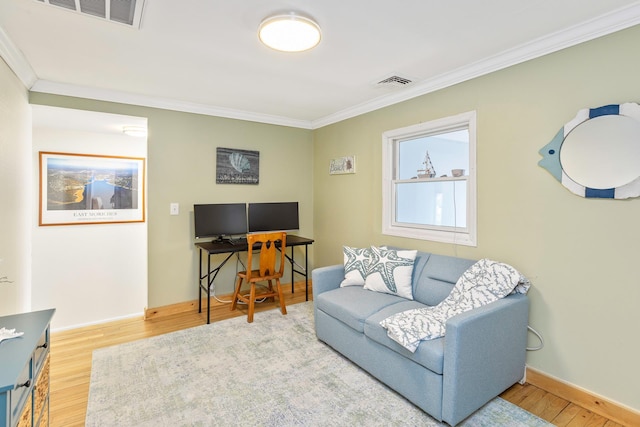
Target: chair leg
[283, 308]
[252, 302]
[271, 290]
[234, 299]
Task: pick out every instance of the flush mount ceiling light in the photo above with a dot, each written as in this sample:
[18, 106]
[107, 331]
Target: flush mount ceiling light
[289, 32]
[138, 131]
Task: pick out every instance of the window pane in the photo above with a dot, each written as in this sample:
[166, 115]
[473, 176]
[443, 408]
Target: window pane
[433, 203]
[433, 156]
[429, 180]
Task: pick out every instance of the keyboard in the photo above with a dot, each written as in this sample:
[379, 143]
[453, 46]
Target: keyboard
[238, 241]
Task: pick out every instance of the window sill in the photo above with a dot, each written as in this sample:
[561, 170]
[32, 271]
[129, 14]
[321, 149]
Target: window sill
[456, 238]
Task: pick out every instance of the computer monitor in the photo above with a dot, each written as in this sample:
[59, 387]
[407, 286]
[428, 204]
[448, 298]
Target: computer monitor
[219, 220]
[281, 216]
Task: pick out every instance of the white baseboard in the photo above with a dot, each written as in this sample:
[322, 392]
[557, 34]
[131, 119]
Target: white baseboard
[98, 322]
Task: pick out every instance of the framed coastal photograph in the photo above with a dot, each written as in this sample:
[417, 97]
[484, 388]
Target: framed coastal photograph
[90, 189]
[342, 165]
[235, 166]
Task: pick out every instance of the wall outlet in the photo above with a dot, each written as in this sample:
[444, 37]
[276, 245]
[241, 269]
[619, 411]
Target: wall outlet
[174, 209]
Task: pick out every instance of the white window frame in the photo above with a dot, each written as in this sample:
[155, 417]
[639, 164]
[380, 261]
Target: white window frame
[390, 140]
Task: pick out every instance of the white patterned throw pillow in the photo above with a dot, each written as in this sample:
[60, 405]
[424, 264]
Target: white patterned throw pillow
[356, 265]
[390, 272]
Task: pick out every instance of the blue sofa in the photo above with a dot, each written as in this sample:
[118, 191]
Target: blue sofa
[481, 355]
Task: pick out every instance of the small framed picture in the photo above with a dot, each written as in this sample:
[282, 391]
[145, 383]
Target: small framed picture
[342, 165]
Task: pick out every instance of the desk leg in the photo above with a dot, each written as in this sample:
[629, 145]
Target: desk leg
[292, 270]
[210, 277]
[208, 289]
[200, 282]
[306, 272]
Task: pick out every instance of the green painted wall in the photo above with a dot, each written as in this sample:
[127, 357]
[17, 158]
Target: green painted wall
[580, 254]
[181, 168]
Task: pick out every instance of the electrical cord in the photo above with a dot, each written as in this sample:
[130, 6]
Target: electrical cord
[455, 246]
[213, 289]
[537, 334]
[455, 221]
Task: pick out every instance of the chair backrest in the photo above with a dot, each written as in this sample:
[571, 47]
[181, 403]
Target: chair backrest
[266, 243]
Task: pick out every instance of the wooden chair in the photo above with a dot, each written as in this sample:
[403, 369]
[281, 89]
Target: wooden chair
[266, 272]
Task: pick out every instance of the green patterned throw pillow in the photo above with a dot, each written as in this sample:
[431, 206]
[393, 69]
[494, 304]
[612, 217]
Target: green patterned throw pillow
[390, 272]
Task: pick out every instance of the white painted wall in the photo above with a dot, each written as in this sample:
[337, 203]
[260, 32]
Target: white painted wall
[96, 272]
[15, 193]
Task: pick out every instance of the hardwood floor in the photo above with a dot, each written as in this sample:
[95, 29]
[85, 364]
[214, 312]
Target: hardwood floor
[71, 353]
[554, 409]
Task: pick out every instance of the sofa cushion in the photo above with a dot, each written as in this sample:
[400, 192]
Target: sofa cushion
[429, 354]
[418, 266]
[438, 277]
[352, 305]
[391, 272]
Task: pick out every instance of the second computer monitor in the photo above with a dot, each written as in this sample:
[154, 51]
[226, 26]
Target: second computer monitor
[281, 216]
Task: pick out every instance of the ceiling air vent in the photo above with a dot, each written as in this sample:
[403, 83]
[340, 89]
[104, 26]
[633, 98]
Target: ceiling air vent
[394, 81]
[128, 12]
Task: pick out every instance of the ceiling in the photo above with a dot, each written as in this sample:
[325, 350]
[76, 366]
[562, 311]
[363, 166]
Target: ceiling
[204, 56]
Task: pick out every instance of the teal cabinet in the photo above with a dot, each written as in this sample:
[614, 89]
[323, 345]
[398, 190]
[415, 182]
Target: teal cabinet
[24, 370]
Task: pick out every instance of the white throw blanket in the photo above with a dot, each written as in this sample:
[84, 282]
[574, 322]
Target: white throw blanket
[6, 334]
[484, 282]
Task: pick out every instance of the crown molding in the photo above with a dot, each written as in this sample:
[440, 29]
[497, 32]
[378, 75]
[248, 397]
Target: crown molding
[56, 88]
[16, 60]
[609, 23]
[606, 24]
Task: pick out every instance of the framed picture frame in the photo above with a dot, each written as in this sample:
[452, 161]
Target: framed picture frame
[234, 166]
[342, 165]
[80, 189]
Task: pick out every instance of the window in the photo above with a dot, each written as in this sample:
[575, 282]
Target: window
[429, 174]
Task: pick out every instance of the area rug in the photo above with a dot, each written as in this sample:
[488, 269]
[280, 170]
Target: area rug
[272, 372]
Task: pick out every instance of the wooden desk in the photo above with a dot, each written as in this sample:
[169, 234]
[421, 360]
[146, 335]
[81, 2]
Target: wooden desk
[216, 248]
[24, 370]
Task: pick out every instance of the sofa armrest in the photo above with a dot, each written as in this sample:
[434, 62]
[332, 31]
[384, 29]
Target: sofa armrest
[484, 354]
[326, 278]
